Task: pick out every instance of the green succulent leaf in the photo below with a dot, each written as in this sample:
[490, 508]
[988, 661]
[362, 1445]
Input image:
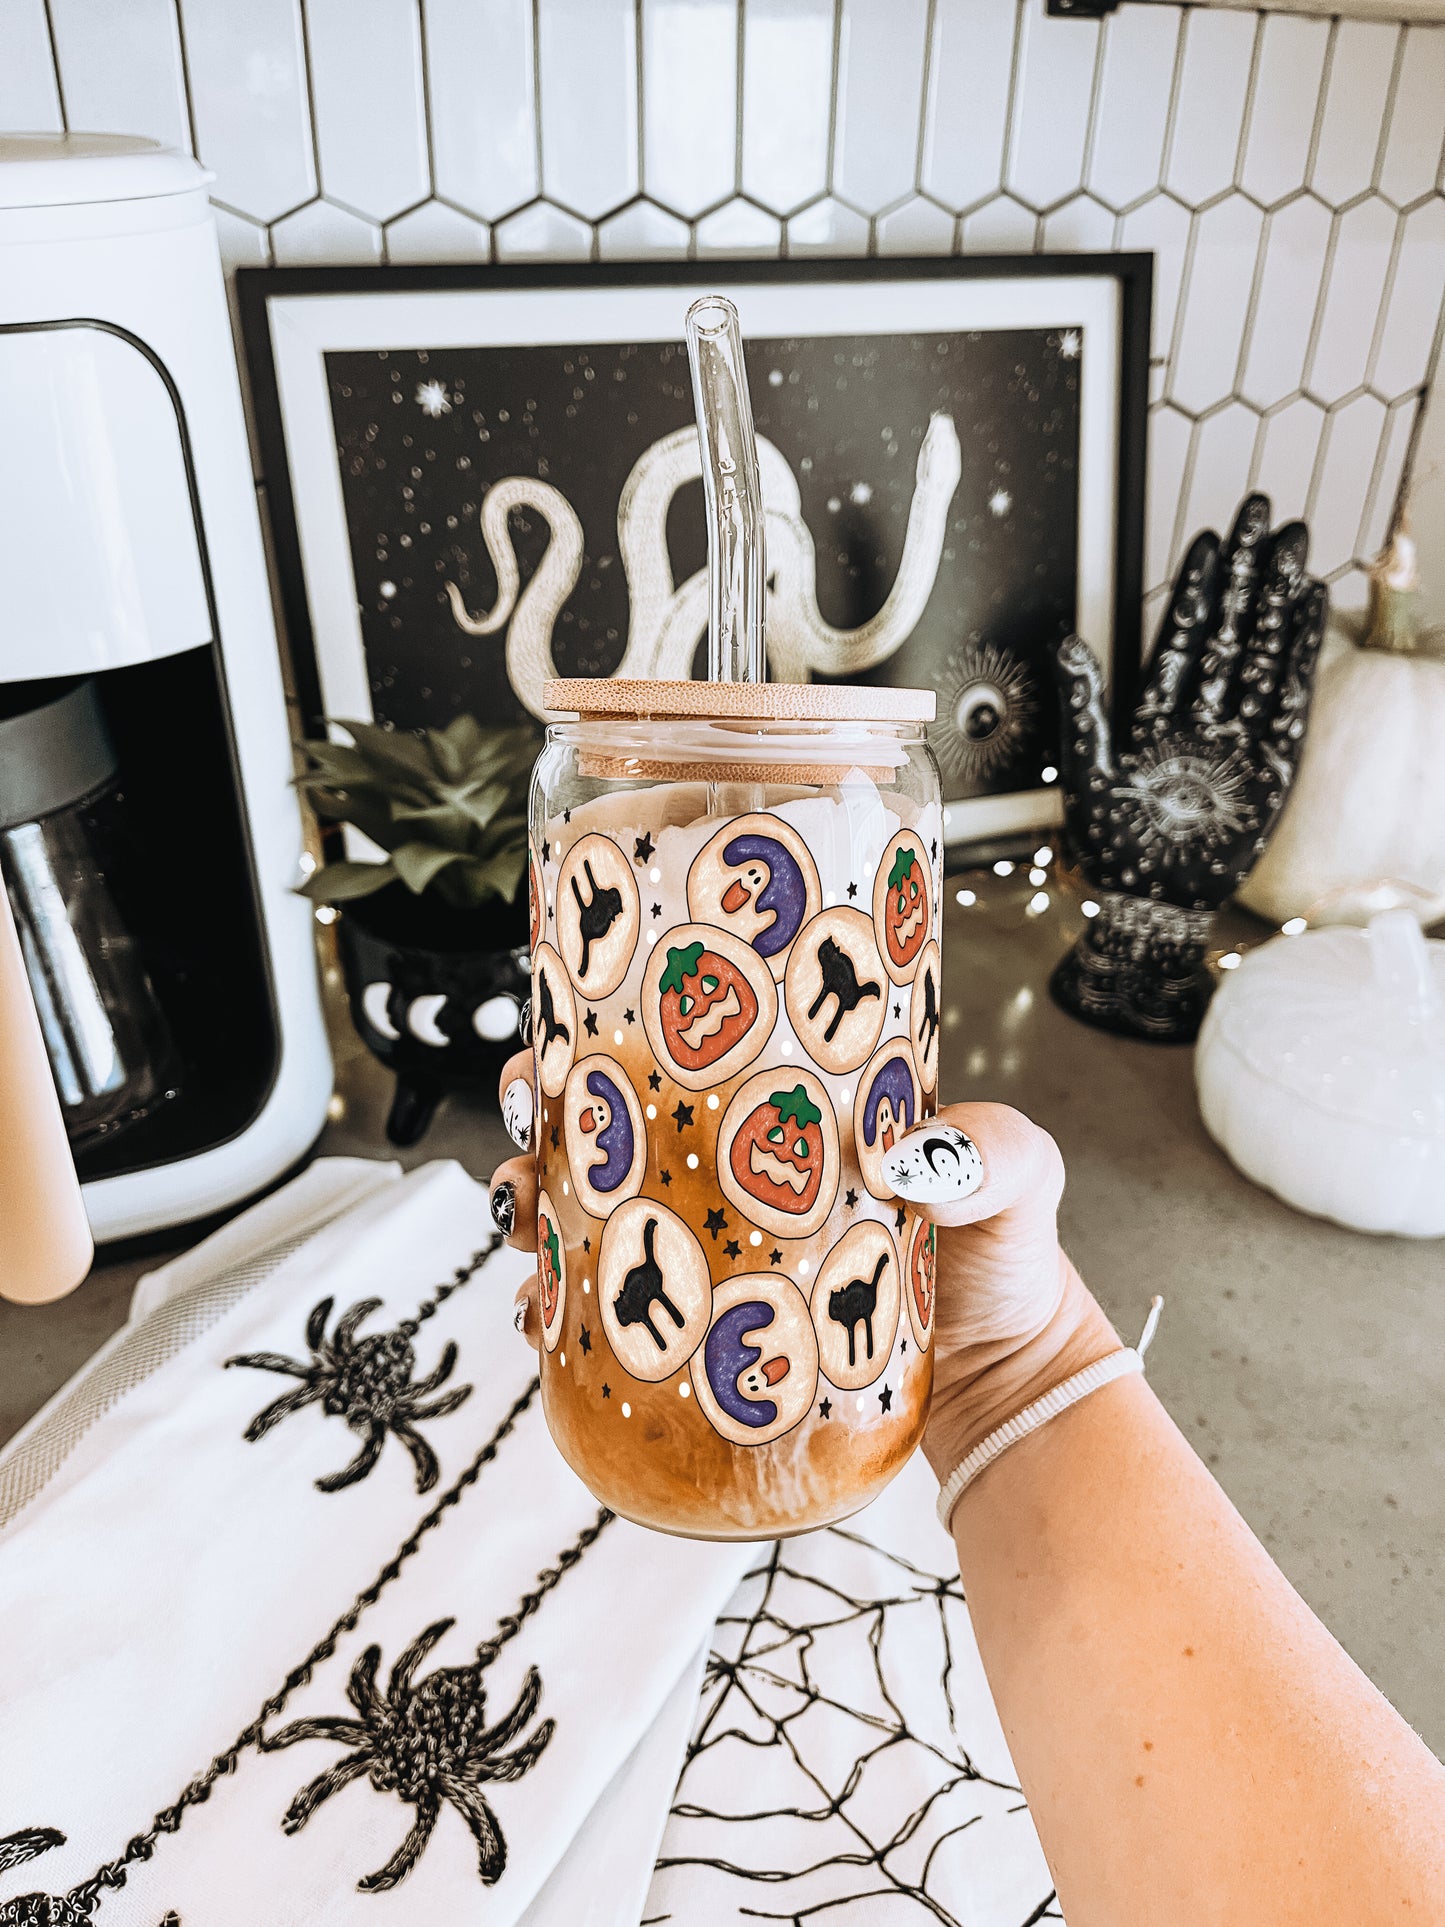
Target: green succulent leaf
[417, 864]
[341, 882]
[450, 804]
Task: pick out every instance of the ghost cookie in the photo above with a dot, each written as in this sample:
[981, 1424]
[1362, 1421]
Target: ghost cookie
[554, 1019]
[654, 1289]
[903, 904]
[755, 1375]
[886, 1104]
[925, 1014]
[606, 1141]
[777, 1152]
[937, 1166]
[920, 1278]
[835, 990]
[598, 914]
[856, 1303]
[551, 1271]
[756, 879]
[709, 1004]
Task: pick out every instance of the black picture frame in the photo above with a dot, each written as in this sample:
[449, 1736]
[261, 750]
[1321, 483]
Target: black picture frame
[260, 290]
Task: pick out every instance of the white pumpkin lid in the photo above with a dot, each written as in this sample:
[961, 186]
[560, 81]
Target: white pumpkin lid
[1352, 1021]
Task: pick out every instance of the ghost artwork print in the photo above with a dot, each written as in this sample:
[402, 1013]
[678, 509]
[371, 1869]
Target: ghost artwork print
[516, 512]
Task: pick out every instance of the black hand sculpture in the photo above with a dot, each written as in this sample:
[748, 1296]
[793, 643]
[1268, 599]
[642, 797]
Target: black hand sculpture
[1167, 828]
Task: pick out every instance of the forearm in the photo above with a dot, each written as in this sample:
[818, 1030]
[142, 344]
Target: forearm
[1193, 1744]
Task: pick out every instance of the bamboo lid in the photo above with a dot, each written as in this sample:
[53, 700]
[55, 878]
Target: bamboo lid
[782, 702]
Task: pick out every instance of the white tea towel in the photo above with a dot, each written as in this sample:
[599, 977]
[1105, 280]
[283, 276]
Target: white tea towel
[847, 1766]
[375, 1662]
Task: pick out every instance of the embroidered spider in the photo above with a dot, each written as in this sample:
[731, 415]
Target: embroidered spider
[425, 1744]
[35, 1910]
[367, 1381]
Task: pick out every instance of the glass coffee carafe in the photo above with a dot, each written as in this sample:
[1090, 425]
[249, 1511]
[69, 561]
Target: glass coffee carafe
[735, 1014]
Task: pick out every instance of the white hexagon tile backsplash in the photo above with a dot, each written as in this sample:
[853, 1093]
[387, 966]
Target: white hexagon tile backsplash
[1286, 172]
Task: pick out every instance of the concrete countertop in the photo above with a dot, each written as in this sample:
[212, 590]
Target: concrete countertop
[1304, 1362]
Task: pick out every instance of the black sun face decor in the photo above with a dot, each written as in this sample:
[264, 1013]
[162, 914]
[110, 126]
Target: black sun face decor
[1166, 825]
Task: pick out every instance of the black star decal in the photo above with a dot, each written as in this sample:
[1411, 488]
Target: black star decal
[775, 1256]
[642, 848]
[666, 1176]
[716, 1222]
[826, 1408]
[657, 909]
[566, 816]
[852, 891]
[589, 1023]
[607, 1391]
[733, 1249]
[850, 1198]
[586, 1244]
[934, 847]
[885, 1398]
[546, 851]
[898, 1010]
[654, 1082]
[903, 1348]
[549, 913]
[898, 1221]
[629, 1016]
[554, 1137]
[682, 1115]
[586, 1340]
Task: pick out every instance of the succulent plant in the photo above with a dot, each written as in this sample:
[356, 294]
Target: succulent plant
[449, 806]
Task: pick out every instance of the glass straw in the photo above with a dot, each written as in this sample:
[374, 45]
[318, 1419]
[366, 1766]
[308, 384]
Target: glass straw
[733, 488]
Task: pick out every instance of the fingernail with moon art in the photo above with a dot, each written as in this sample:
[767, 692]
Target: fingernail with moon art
[524, 1024]
[504, 1207]
[517, 1109]
[933, 1165]
[519, 1315]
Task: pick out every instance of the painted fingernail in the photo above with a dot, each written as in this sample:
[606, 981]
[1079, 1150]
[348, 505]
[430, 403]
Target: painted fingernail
[504, 1207]
[517, 1110]
[524, 1023]
[519, 1314]
[934, 1165]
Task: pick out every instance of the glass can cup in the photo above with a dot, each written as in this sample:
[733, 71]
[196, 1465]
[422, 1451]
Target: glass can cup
[736, 1002]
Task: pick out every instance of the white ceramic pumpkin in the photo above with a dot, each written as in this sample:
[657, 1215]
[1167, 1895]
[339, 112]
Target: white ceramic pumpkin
[1364, 824]
[1321, 1071]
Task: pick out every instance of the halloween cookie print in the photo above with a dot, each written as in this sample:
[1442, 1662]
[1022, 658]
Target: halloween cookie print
[654, 1287]
[856, 1306]
[598, 915]
[888, 1102]
[606, 1143]
[735, 1023]
[551, 1271]
[709, 1004]
[757, 1370]
[756, 879]
[903, 904]
[778, 1157]
[836, 990]
[554, 1019]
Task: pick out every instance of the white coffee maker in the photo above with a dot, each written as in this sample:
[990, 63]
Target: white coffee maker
[135, 597]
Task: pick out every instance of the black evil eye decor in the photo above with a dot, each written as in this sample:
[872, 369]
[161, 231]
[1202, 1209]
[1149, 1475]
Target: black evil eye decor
[1166, 824]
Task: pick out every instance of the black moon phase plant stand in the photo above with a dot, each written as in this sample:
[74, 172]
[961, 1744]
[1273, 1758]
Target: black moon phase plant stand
[1166, 826]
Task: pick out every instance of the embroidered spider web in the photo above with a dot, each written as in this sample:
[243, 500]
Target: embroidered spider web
[829, 1777]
